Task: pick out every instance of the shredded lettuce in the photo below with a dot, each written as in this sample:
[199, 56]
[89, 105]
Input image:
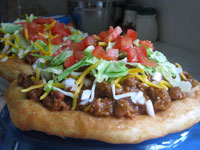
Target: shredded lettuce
[31, 18]
[45, 57]
[10, 27]
[60, 59]
[72, 68]
[108, 69]
[89, 50]
[48, 86]
[110, 45]
[55, 70]
[158, 57]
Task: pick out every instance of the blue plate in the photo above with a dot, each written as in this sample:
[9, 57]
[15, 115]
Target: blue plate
[12, 138]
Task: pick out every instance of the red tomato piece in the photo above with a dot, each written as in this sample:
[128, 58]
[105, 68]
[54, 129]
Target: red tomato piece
[112, 54]
[113, 34]
[123, 43]
[42, 20]
[142, 57]
[131, 34]
[69, 24]
[67, 31]
[80, 46]
[132, 55]
[70, 61]
[90, 41]
[58, 40]
[78, 55]
[99, 52]
[58, 29]
[146, 43]
[67, 43]
[103, 34]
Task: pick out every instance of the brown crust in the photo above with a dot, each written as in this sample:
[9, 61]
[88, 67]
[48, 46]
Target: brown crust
[31, 115]
[10, 69]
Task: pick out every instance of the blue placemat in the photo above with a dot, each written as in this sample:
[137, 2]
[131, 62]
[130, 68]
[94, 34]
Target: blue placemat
[12, 138]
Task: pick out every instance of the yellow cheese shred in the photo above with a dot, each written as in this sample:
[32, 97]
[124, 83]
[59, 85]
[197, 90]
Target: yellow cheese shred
[33, 87]
[165, 84]
[182, 75]
[80, 79]
[41, 48]
[87, 108]
[50, 25]
[37, 74]
[44, 95]
[116, 82]
[97, 37]
[76, 95]
[13, 45]
[136, 70]
[33, 78]
[26, 34]
[102, 44]
[58, 85]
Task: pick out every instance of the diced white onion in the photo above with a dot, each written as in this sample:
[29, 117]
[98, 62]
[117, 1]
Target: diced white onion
[20, 53]
[69, 82]
[6, 35]
[136, 97]
[150, 109]
[4, 59]
[74, 87]
[86, 94]
[84, 102]
[87, 82]
[124, 59]
[64, 92]
[76, 73]
[38, 61]
[43, 78]
[157, 76]
[4, 50]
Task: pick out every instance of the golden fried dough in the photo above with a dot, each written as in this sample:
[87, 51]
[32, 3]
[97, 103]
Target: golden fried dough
[10, 69]
[31, 115]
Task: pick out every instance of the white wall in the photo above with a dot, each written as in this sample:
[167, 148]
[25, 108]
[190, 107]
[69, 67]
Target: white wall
[178, 20]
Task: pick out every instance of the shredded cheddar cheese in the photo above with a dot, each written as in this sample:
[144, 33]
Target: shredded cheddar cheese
[87, 108]
[33, 87]
[33, 78]
[44, 95]
[102, 44]
[37, 74]
[97, 37]
[76, 95]
[58, 85]
[116, 82]
[41, 48]
[50, 25]
[80, 79]
[26, 34]
[13, 45]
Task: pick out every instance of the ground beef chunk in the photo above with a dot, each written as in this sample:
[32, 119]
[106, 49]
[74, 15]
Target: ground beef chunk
[190, 79]
[160, 98]
[124, 108]
[24, 80]
[35, 94]
[55, 102]
[102, 107]
[103, 90]
[29, 59]
[141, 86]
[129, 85]
[176, 93]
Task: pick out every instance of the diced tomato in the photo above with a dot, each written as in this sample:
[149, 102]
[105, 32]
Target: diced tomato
[142, 57]
[42, 20]
[132, 55]
[99, 52]
[58, 40]
[69, 62]
[111, 34]
[78, 55]
[67, 31]
[58, 29]
[90, 41]
[131, 34]
[123, 43]
[112, 54]
[69, 24]
[80, 46]
[146, 43]
[67, 44]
